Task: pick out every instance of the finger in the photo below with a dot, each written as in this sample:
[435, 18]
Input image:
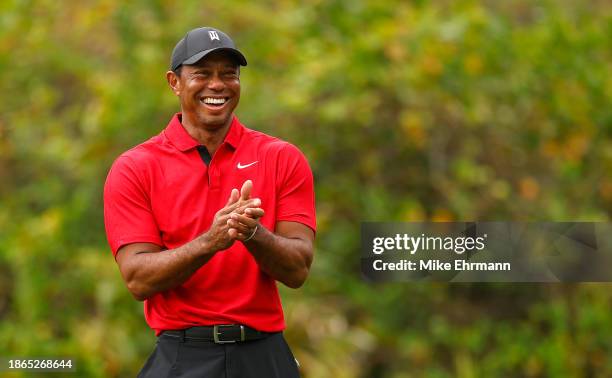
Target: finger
[233, 233]
[254, 212]
[244, 219]
[240, 227]
[241, 236]
[233, 198]
[239, 206]
[253, 202]
[245, 191]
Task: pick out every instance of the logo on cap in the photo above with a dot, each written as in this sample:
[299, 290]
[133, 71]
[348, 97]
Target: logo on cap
[213, 35]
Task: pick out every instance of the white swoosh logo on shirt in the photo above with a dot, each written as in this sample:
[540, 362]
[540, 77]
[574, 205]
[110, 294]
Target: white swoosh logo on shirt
[240, 166]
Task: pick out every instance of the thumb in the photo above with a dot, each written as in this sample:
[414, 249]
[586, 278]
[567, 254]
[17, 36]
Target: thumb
[233, 197]
[245, 191]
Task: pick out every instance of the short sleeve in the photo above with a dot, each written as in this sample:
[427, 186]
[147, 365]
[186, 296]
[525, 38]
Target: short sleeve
[295, 188]
[128, 217]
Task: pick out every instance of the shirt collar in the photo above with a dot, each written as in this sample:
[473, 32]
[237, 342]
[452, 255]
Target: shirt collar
[235, 133]
[180, 138]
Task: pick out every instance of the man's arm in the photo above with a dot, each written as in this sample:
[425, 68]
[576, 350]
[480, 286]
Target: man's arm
[147, 270]
[285, 255]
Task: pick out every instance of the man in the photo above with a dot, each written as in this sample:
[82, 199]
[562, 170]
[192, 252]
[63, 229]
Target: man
[204, 218]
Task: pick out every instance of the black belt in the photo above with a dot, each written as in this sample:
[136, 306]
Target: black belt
[219, 334]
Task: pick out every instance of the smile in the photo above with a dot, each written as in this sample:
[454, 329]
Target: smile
[214, 101]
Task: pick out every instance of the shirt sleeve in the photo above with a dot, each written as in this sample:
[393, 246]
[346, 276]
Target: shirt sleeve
[296, 198]
[128, 217]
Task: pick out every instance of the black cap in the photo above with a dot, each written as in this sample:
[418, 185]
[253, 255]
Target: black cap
[198, 43]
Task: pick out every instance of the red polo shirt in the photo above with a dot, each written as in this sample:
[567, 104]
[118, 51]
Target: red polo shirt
[162, 192]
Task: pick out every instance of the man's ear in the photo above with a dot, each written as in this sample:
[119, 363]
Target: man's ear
[174, 82]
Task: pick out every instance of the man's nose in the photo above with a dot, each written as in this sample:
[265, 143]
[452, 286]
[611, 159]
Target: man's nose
[216, 83]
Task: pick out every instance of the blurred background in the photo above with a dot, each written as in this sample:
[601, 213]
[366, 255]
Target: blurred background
[406, 110]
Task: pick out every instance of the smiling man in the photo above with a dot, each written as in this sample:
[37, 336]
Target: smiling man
[204, 218]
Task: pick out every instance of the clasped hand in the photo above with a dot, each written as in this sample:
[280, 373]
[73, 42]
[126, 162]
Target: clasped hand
[237, 220]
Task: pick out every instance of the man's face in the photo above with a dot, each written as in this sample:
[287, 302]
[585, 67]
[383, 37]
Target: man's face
[209, 90]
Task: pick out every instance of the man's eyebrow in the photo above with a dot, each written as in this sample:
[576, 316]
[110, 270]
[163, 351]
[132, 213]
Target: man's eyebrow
[229, 65]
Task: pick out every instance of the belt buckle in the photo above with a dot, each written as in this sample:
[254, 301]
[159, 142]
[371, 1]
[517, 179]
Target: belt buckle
[216, 334]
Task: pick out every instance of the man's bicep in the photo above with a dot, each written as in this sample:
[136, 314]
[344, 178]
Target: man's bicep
[295, 200]
[295, 230]
[127, 254]
[301, 232]
[128, 214]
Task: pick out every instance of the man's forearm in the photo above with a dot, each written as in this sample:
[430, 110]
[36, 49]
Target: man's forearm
[283, 258]
[147, 270]
[154, 272]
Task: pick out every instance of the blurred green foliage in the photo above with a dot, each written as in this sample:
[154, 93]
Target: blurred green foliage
[422, 110]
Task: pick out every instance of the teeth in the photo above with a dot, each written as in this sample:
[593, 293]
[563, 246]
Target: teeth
[214, 101]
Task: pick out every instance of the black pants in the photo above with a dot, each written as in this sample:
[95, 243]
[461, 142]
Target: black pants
[269, 357]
